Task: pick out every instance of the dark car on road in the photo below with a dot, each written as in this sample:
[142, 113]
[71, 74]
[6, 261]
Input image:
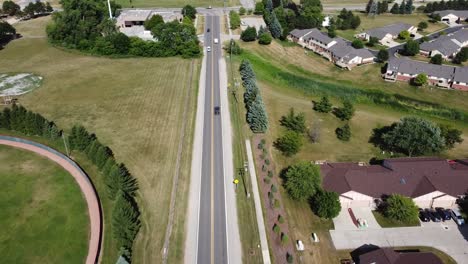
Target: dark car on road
[217, 110]
[433, 215]
[443, 213]
[424, 216]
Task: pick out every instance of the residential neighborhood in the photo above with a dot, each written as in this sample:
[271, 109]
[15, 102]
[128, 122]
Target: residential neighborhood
[236, 131]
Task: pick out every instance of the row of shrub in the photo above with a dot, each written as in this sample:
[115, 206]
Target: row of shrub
[356, 94]
[256, 114]
[120, 184]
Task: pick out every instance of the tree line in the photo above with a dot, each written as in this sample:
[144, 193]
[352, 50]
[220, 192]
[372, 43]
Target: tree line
[121, 186]
[257, 117]
[87, 27]
[7, 33]
[33, 9]
[446, 5]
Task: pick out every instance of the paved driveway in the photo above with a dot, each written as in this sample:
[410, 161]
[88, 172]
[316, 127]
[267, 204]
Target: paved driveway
[344, 222]
[446, 236]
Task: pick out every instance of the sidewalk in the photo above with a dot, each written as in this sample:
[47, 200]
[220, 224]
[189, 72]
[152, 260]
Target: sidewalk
[258, 205]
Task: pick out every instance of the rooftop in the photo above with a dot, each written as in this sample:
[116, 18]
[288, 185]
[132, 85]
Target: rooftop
[443, 44]
[389, 256]
[392, 29]
[416, 67]
[458, 13]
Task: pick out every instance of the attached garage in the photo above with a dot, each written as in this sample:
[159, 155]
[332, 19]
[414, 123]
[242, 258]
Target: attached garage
[354, 199]
[435, 199]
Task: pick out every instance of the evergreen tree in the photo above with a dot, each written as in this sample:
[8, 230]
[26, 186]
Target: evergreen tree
[120, 179]
[343, 133]
[346, 112]
[368, 6]
[125, 220]
[324, 106]
[103, 153]
[402, 9]
[395, 9]
[92, 149]
[257, 116]
[269, 6]
[294, 122]
[275, 27]
[409, 7]
[5, 120]
[79, 138]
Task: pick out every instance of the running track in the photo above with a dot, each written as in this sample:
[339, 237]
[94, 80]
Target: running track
[87, 188]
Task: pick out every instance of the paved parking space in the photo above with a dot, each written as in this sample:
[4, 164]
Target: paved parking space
[344, 222]
[252, 22]
[445, 236]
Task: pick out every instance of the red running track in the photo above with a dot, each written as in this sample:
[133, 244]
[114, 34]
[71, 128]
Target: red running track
[94, 209]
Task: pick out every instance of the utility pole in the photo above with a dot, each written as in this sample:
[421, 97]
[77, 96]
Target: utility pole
[110, 10]
[65, 143]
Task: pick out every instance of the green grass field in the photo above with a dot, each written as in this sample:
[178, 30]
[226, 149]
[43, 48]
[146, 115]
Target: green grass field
[135, 106]
[44, 216]
[176, 3]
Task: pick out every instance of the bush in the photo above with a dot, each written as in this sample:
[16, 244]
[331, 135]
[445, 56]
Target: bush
[346, 112]
[343, 133]
[233, 48]
[382, 55]
[249, 34]
[411, 48]
[276, 229]
[404, 35]
[189, 11]
[290, 143]
[276, 203]
[264, 168]
[263, 141]
[284, 238]
[270, 174]
[266, 180]
[420, 79]
[400, 208]
[265, 39]
[234, 19]
[357, 44]
[289, 258]
[437, 59]
[260, 146]
[273, 188]
[267, 162]
[242, 11]
[422, 25]
[324, 106]
[280, 219]
[302, 180]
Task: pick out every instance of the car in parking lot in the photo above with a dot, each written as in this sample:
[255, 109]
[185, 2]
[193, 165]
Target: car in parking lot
[443, 213]
[424, 216]
[457, 217]
[433, 215]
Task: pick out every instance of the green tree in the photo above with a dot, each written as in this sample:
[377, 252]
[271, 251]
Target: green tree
[461, 56]
[10, 8]
[422, 25]
[326, 204]
[343, 133]
[242, 11]
[80, 138]
[346, 112]
[436, 59]
[411, 47]
[7, 32]
[395, 9]
[249, 34]
[294, 122]
[290, 143]
[302, 180]
[451, 135]
[324, 106]
[414, 136]
[275, 26]
[404, 35]
[189, 11]
[264, 38]
[257, 117]
[400, 208]
[382, 55]
[5, 118]
[357, 44]
[234, 19]
[373, 41]
[409, 7]
[420, 79]
[125, 220]
[259, 8]
[233, 48]
[153, 22]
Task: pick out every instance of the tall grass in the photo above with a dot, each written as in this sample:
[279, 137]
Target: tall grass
[312, 86]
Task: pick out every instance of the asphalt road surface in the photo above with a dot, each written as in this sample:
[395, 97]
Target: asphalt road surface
[212, 239]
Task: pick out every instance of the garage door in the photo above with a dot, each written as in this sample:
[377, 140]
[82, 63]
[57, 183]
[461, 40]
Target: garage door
[443, 203]
[423, 203]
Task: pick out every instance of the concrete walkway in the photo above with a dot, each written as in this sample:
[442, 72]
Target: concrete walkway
[258, 205]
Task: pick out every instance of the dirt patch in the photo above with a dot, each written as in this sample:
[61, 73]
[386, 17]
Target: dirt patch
[279, 249]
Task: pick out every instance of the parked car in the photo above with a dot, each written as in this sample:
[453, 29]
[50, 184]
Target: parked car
[443, 213]
[434, 215]
[456, 216]
[424, 216]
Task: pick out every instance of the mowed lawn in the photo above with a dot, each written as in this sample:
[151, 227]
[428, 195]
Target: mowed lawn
[176, 3]
[43, 214]
[133, 105]
[279, 98]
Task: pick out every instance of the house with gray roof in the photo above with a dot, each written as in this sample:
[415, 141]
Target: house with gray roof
[446, 76]
[452, 16]
[430, 182]
[386, 33]
[447, 46]
[131, 21]
[336, 50]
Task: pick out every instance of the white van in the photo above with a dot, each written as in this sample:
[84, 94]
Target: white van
[457, 217]
[216, 41]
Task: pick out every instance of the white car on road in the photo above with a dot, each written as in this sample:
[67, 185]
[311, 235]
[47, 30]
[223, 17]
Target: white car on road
[208, 49]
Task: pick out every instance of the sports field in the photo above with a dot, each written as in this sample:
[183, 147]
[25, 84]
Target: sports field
[44, 216]
[176, 3]
[135, 106]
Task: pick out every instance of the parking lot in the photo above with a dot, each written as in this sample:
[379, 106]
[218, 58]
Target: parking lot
[445, 236]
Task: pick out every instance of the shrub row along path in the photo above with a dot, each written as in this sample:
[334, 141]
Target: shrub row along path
[90, 195]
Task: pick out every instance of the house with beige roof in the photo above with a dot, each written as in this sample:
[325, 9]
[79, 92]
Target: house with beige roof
[430, 182]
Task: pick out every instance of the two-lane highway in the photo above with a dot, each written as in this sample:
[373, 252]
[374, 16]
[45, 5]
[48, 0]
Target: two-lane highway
[212, 233]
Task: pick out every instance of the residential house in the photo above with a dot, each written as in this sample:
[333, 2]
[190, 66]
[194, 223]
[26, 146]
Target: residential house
[336, 50]
[390, 256]
[131, 21]
[447, 46]
[452, 16]
[406, 70]
[387, 33]
[460, 80]
[430, 182]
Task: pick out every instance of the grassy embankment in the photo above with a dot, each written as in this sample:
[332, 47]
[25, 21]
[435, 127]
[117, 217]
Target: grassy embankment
[176, 3]
[44, 217]
[289, 78]
[135, 106]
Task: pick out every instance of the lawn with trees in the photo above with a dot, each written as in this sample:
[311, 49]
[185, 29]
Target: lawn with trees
[44, 215]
